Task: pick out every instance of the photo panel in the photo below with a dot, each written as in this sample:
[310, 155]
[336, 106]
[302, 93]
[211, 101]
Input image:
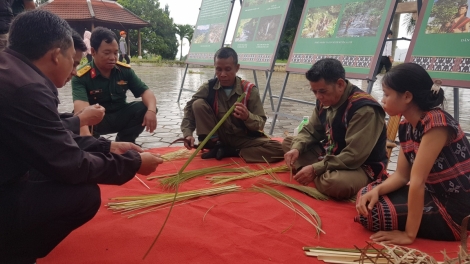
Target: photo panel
[445, 24]
[258, 30]
[351, 31]
[320, 22]
[210, 30]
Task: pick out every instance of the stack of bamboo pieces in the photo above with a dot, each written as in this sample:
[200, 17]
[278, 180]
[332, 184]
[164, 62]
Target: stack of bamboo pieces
[373, 253]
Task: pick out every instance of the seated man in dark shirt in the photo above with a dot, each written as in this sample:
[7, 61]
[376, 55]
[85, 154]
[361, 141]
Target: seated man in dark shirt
[36, 215]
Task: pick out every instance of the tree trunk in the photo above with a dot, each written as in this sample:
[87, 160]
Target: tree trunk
[139, 44]
[181, 49]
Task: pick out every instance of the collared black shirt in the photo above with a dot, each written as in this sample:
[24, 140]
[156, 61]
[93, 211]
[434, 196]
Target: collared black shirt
[33, 136]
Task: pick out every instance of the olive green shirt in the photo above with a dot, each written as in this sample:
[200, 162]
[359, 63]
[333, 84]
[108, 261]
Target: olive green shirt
[362, 134]
[234, 126]
[109, 92]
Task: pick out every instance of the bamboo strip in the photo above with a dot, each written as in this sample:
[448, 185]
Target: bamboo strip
[172, 182]
[175, 155]
[220, 179]
[131, 203]
[310, 191]
[176, 173]
[280, 195]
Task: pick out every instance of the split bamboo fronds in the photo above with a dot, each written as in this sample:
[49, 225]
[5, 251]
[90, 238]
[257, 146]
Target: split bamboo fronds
[310, 191]
[220, 179]
[176, 173]
[312, 217]
[129, 204]
[173, 181]
[175, 155]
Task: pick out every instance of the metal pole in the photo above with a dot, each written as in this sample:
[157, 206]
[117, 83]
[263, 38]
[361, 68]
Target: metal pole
[273, 123]
[456, 104]
[256, 78]
[420, 4]
[370, 86]
[229, 16]
[376, 70]
[268, 86]
[268, 83]
[182, 83]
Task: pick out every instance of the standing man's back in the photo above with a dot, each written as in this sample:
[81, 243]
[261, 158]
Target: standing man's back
[8, 10]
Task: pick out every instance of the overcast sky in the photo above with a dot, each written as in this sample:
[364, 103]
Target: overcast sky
[187, 11]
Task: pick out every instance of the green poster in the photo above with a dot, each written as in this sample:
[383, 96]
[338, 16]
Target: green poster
[210, 30]
[258, 31]
[351, 31]
[441, 42]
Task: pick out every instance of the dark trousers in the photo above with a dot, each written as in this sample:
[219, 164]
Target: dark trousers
[125, 57]
[252, 149]
[36, 216]
[126, 122]
[384, 62]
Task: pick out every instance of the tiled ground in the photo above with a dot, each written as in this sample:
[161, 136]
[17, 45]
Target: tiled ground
[165, 82]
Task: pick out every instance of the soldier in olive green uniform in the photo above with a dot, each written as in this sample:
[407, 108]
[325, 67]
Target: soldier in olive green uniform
[105, 81]
[242, 133]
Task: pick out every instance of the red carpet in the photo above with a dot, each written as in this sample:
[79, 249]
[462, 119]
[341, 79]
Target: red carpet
[241, 227]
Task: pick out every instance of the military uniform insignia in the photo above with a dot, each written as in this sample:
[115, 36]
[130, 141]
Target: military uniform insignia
[122, 82]
[93, 73]
[123, 64]
[96, 91]
[83, 70]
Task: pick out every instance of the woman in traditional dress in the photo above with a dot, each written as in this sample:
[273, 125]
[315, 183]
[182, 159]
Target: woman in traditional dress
[429, 193]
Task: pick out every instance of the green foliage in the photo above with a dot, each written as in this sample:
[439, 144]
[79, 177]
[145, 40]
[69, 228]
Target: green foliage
[184, 31]
[371, 7]
[189, 37]
[160, 37]
[410, 23]
[287, 37]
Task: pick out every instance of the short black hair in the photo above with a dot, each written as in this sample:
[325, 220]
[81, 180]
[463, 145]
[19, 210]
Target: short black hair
[390, 32]
[78, 42]
[328, 69]
[99, 34]
[36, 32]
[415, 79]
[225, 53]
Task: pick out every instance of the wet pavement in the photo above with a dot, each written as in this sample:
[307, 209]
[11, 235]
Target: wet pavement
[165, 82]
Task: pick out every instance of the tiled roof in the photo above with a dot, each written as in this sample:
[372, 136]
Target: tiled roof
[93, 10]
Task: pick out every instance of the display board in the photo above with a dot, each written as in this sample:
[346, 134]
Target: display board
[210, 31]
[351, 31]
[441, 42]
[258, 30]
